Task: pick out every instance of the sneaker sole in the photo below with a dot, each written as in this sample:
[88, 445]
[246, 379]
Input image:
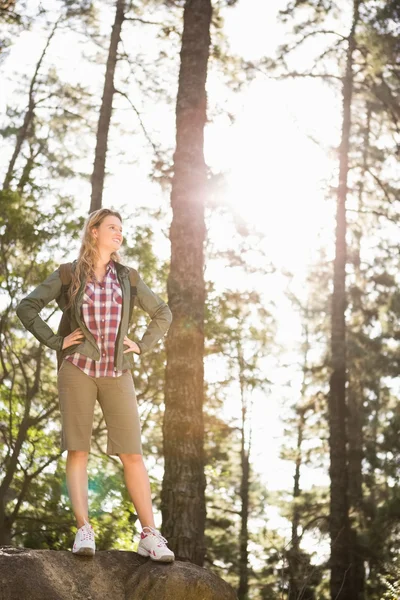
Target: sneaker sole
[146, 553]
[84, 551]
[163, 558]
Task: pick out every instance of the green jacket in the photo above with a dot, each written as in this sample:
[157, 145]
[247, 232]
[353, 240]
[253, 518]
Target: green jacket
[30, 306]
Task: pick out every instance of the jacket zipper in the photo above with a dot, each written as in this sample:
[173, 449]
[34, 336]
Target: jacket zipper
[82, 323]
[120, 323]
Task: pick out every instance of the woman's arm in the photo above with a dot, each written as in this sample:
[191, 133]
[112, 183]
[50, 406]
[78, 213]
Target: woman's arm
[160, 314]
[29, 307]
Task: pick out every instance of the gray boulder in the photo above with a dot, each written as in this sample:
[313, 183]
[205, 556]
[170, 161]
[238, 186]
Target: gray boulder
[27, 574]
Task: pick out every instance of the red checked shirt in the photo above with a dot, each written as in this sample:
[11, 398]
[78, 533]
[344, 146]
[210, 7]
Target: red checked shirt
[101, 311]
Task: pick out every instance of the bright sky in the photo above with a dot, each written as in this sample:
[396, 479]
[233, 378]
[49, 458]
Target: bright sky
[277, 179]
[278, 165]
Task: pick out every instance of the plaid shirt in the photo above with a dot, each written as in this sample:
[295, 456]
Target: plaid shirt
[101, 312]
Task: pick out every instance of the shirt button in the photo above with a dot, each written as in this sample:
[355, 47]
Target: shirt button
[104, 353]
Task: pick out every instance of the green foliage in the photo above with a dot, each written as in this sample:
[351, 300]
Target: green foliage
[391, 582]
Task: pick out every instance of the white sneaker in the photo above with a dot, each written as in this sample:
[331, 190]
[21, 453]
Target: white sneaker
[84, 540]
[153, 544]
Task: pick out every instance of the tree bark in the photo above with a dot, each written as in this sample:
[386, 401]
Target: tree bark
[183, 487]
[29, 115]
[294, 555]
[295, 585]
[355, 405]
[103, 128]
[340, 584]
[243, 588]
[374, 558]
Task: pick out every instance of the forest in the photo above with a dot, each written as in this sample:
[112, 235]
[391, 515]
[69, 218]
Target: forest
[252, 149]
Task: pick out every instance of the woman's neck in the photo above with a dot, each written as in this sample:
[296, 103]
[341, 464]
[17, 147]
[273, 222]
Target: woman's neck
[102, 261]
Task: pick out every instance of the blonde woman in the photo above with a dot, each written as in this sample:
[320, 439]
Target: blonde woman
[96, 362]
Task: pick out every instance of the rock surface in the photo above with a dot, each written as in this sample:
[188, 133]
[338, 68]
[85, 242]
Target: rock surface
[110, 575]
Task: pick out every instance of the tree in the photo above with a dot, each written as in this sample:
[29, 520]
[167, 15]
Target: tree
[105, 110]
[342, 584]
[339, 512]
[183, 503]
[26, 126]
[27, 399]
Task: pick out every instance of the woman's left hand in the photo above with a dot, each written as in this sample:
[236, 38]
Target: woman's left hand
[133, 347]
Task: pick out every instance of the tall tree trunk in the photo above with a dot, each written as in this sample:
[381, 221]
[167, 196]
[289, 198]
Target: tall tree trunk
[340, 586]
[29, 115]
[243, 589]
[294, 555]
[183, 488]
[355, 433]
[103, 128]
[374, 562]
[355, 407]
[294, 560]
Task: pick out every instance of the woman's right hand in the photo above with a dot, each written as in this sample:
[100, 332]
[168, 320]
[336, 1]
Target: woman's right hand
[75, 337]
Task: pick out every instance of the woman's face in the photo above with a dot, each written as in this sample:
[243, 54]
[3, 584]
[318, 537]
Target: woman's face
[108, 234]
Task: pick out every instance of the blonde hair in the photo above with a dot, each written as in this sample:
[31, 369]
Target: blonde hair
[88, 253]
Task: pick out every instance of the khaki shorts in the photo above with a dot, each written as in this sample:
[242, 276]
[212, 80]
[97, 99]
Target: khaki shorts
[77, 394]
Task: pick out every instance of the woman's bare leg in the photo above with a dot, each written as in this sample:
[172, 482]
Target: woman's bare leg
[77, 484]
[138, 485]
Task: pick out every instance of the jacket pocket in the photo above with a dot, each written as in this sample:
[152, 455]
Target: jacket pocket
[128, 362]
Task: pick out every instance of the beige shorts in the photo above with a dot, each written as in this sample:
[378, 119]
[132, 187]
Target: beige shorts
[77, 394]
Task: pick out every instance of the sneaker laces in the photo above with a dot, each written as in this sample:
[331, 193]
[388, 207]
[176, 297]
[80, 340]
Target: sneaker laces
[87, 532]
[157, 534]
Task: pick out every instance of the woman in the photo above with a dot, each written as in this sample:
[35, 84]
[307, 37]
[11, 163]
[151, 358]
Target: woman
[97, 358]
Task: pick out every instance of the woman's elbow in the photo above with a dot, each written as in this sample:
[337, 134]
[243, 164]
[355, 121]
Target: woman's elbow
[20, 310]
[24, 311]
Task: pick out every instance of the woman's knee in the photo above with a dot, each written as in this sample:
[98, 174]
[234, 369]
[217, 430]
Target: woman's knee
[78, 454]
[130, 459]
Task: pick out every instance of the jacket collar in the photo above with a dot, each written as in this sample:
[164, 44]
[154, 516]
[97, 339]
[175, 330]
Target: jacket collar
[121, 268]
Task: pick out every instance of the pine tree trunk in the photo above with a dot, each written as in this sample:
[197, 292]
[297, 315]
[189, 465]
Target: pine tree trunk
[5, 529]
[340, 585]
[244, 490]
[29, 115]
[294, 553]
[374, 560]
[244, 532]
[27, 169]
[103, 128]
[294, 560]
[355, 489]
[11, 465]
[183, 488]
[7, 521]
[355, 409]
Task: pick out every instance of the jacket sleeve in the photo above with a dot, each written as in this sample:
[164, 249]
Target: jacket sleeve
[29, 307]
[160, 314]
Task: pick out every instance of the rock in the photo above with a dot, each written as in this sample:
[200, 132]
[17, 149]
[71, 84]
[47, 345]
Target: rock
[27, 574]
